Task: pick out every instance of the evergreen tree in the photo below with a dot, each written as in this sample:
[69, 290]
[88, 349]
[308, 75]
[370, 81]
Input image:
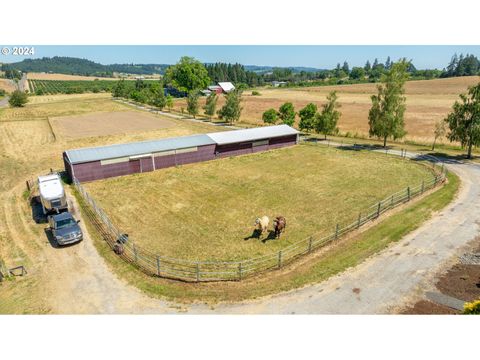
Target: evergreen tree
[388, 63]
[346, 68]
[386, 116]
[367, 66]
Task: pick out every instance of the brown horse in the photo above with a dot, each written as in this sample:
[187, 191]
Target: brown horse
[279, 225]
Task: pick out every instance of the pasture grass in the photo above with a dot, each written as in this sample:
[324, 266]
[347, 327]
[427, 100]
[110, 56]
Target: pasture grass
[314, 268]
[206, 211]
[428, 101]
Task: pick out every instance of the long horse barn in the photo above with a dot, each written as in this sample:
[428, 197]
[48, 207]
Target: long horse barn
[88, 164]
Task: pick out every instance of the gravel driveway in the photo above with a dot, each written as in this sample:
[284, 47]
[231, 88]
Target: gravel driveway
[395, 276]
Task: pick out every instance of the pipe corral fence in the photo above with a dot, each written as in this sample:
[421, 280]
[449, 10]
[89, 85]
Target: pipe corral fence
[197, 271]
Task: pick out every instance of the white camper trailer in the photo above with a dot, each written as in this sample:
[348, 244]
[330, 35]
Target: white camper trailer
[52, 194]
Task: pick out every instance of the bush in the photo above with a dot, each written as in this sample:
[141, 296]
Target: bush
[270, 116]
[472, 308]
[256, 93]
[2, 92]
[18, 99]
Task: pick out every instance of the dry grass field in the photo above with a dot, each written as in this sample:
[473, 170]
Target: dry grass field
[427, 102]
[206, 211]
[28, 149]
[48, 76]
[7, 85]
[108, 123]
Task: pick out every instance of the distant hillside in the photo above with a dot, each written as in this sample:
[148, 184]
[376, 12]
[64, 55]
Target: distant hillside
[296, 69]
[76, 66]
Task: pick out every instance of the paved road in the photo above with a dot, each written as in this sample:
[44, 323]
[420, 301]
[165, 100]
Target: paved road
[395, 276]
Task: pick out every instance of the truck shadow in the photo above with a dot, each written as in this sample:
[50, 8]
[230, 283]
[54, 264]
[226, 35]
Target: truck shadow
[37, 211]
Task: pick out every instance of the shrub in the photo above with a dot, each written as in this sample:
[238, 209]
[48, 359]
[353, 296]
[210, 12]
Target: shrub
[270, 116]
[18, 99]
[472, 308]
[256, 93]
[2, 92]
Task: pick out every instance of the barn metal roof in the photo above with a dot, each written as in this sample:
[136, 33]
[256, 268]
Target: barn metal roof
[137, 148]
[83, 155]
[234, 136]
[226, 86]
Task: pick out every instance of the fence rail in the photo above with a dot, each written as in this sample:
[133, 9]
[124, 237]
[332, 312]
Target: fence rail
[195, 271]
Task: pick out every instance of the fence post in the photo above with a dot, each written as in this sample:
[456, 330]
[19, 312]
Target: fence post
[378, 209]
[135, 252]
[310, 244]
[408, 193]
[359, 220]
[336, 231]
[280, 259]
[158, 265]
[198, 271]
[391, 202]
[240, 270]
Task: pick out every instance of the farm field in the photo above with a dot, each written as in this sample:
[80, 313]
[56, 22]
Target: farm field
[52, 76]
[108, 123]
[206, 211]
[27, 149]
[7, 85]
[427, 102]
[41, 87]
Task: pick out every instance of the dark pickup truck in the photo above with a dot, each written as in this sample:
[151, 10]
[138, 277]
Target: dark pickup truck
[65, 228]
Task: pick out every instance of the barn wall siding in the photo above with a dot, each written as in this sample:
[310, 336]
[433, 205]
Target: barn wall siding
[95, 170]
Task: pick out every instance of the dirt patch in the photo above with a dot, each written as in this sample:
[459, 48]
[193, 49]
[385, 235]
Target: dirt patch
[461, 282]
[108, 123]
[425, 307]
[7, 85]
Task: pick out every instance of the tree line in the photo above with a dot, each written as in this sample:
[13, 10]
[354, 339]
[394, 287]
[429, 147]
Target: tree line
[386, 115]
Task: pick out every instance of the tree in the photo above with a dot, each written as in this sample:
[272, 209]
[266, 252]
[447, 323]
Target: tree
[120, 89]
[326, 121]
[345, 67]
[18, 99]
[158, 97]
[187, 75]
[388, 63]
[270, 116]
[307, 117]
[287, 113]
[192, 103]
[367, 66]
[357, 73]
[232, 110]
[210, 105]
[438, 132]
[388, 106]
[169, 102]
[464, 120]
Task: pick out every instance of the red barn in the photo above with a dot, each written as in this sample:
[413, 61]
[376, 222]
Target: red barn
[95, 163]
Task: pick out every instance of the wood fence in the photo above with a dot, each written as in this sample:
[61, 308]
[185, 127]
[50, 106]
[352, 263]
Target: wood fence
[196, 271]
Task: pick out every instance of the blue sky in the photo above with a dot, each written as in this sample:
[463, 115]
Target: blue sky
[320, 56]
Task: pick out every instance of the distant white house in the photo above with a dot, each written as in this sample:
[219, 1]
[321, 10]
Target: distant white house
[278, 83]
